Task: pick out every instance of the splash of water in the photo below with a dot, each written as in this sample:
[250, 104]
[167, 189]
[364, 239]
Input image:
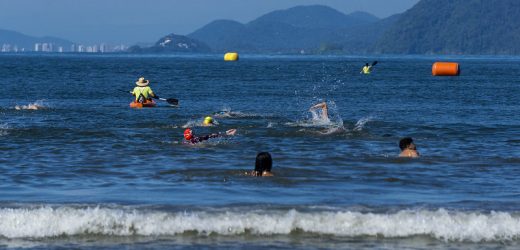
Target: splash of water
[199, 123]
[360, 124]
[38, 105]
[226, 112]
[3, 129]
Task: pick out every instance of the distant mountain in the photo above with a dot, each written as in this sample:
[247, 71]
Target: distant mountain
[26, 42]
[314, 17]
[171, 44]
[430, 27]
[455, 27]
[309, 28]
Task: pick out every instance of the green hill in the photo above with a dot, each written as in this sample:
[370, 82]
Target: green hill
[306, 28]
[455, 27]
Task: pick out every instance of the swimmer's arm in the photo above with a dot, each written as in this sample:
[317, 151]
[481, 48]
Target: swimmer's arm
[325, 113]
[319, 105]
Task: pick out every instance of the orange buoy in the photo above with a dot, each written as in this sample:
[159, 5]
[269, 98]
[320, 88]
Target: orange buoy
[445, 69]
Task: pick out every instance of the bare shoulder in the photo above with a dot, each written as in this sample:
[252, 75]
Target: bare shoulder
[267, 174]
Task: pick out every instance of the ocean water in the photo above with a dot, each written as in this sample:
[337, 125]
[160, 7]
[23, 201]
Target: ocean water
[80, 169]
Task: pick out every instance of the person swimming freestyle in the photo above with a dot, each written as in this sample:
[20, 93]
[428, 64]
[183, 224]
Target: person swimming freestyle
[324, 114]
[208, 121]
[190, 138]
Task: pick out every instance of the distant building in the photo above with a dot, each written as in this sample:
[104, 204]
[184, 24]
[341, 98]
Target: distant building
[6, 48]
[47, 47]
[81, 48]
[37, 47]
[73, 48]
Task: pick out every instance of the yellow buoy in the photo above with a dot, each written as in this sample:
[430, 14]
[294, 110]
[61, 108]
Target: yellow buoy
[231, 56]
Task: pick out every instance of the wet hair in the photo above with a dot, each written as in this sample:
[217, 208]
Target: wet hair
[405, 142]
[263, 163]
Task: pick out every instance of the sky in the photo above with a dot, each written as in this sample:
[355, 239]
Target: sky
[145, 21]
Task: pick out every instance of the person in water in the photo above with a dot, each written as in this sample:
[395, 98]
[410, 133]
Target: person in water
[208, 121]
[263, 165]
[324, 114]
[408, 148]
[190, 138]
[142, 92]
[366, 69]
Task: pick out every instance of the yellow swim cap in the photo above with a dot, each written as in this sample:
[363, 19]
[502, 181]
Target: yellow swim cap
[208, 120]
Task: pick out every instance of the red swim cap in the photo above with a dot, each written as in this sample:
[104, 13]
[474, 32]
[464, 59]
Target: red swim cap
[188, 134]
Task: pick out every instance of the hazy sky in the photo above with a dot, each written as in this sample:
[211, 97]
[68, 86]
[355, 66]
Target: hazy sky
[131, 21]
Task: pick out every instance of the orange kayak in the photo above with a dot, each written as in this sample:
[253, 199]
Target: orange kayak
[147, 104]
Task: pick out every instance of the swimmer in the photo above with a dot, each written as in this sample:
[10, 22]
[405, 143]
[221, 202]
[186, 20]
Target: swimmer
[408, 148]
[190, 138]
[208, 121]
[324, 110]
[31, 106]
[263, 165]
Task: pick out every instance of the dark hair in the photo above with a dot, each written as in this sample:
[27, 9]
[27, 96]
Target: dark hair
[263, 163]
[366, 64]
[405, 142]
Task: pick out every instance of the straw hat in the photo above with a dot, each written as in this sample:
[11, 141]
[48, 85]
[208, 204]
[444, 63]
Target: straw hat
[142, 82]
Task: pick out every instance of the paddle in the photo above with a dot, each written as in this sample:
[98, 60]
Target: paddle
[374, 63]
[171, 101]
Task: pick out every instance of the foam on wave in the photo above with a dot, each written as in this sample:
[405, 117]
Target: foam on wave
[440, 224]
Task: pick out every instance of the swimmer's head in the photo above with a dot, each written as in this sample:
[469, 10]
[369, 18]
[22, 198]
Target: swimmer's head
[208, 120]
[263, 163]
[188, 134]
[406, 143]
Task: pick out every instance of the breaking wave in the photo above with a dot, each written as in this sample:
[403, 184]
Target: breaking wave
[441, 224]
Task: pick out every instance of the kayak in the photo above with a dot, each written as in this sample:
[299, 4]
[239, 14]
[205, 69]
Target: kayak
[147, 104]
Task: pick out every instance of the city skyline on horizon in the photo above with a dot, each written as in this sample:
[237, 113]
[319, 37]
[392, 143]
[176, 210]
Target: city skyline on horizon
[115, 21]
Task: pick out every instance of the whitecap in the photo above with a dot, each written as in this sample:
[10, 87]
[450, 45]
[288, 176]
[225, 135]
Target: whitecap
[441, 224]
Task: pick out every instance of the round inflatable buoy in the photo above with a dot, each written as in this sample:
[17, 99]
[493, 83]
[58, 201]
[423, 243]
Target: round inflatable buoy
[231, 56]
[445, 69]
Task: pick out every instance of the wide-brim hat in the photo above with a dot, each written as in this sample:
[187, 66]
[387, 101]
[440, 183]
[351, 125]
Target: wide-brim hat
[142, 82]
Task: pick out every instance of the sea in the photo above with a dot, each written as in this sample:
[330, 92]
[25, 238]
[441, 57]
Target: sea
[80, 169]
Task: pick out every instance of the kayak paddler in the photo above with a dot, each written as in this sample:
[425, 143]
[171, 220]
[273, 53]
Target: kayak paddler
[366, 69]
[142, 92]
